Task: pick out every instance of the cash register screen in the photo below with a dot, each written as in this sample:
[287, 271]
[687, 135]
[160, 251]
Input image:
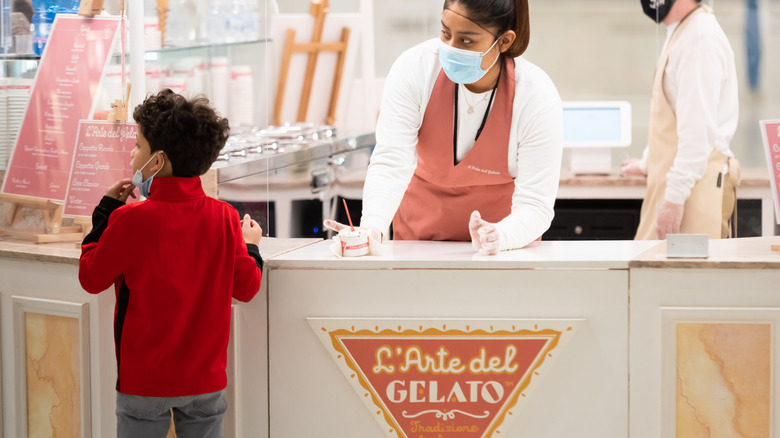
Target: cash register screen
[596, 124]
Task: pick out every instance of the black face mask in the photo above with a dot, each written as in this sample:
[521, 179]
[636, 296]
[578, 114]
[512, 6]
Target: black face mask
[657, 10]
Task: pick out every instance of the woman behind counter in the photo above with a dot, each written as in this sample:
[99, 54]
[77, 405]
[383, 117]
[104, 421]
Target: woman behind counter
[469, 135]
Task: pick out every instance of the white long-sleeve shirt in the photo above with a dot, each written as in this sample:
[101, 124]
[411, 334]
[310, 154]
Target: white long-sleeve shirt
[535, 142]
[700, 82]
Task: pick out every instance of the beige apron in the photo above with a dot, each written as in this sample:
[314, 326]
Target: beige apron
[703, 209]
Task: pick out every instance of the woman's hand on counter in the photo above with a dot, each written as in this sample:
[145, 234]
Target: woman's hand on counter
[484, 235]
[630, 167]
[121, 190]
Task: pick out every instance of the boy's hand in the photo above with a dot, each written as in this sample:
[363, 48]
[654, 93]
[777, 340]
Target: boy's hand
[251, 230]
[121, 190]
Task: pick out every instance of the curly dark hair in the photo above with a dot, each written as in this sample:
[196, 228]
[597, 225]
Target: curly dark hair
[190, 132]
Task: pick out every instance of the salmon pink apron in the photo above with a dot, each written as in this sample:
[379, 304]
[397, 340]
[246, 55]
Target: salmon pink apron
[441, 196]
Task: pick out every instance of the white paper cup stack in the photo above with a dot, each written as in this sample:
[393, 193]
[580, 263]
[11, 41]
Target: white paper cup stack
[153, 78]
[18, 96]
[177, 84]
[23, 44]
[152, 36]
[199, 83]
[5, 137]
[241, 96]
[185, 70]
[219, 76]
[166, 70]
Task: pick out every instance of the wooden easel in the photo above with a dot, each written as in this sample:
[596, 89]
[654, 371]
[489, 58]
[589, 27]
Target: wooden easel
[52, 231]
[318, 9]
[90, 8]
[118, 111]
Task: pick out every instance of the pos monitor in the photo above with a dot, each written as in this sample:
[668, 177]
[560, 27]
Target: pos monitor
[591, 129]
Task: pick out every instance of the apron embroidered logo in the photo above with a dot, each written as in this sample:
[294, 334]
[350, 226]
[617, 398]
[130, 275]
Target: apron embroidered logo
[487, 171]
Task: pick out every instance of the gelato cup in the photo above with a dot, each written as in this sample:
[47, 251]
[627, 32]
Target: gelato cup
[353, 242]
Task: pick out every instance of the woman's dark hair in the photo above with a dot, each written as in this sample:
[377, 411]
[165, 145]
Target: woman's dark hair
[190, 132]
[501, 15]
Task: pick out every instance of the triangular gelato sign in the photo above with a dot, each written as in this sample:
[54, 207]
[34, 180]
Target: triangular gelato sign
[462, 378]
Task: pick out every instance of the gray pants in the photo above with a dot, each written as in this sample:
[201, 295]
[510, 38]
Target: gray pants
[150, 417]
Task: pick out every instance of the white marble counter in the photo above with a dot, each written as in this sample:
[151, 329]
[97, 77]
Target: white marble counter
[461, 255]
[69, 253]
[746, 253]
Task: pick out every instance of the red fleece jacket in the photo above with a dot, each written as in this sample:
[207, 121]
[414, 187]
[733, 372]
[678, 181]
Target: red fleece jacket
[176, 260]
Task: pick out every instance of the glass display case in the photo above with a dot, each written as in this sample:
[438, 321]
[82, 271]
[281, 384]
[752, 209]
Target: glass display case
[204, 68]
[233, 75]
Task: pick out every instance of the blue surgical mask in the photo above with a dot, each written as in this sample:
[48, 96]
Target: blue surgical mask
[463, 66]
[138, 178]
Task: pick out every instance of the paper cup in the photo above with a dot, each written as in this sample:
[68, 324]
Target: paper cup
[353, 243]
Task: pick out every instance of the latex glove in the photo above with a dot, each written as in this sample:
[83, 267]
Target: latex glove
[484, 235]
[251, 230]
[630, 167]
[374, 236]
[669, 219]
[121, 190]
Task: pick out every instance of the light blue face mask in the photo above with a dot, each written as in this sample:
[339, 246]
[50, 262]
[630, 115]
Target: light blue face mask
[463, 66]
[138, 178]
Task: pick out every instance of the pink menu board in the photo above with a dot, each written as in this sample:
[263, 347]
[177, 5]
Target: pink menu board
[770, 129]
[64, 91]
[101, 158]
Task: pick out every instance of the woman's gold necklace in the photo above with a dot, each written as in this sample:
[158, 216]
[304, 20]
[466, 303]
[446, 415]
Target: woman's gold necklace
[485, 95]
[470, 109]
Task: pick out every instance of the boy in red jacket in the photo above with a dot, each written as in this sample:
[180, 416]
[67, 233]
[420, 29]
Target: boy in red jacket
[176, 260]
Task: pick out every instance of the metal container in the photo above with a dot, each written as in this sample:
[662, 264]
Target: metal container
[274, 171]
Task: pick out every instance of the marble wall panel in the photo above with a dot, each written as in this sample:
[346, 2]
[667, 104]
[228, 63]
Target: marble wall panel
[723, 380]
[53, 376]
